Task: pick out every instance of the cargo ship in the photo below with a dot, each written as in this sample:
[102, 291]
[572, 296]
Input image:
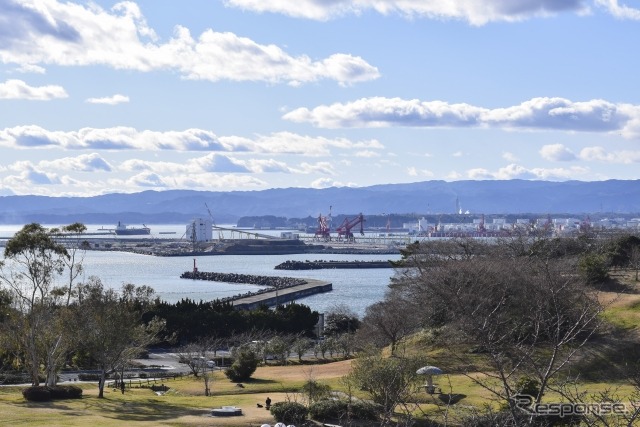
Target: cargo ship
[123, 230]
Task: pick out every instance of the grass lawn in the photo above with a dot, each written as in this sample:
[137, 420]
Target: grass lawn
[183, 405]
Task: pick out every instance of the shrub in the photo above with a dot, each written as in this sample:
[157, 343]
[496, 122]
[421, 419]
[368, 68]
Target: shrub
[289, 412]
[37, 394]
[14, 378]
[90, 377]
[243, 366]
[594, 268]
[315, 391]
[65, 392]
[46, 393]
[330, 409]
[529, 386]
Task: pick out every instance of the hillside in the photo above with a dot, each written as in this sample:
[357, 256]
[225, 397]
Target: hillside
[434, 197]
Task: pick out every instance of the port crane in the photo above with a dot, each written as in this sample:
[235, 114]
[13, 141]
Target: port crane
[213, 223]
[323, 232]
[344, 230]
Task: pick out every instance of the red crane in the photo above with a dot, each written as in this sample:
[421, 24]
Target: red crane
[324, 229]
[585, 225]
[344, 231]
[481, 227]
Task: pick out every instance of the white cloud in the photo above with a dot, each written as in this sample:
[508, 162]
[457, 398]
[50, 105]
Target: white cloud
[267, 166]
[118, 138]
[224, 164]
[328, 183]
[125, 138]
[109, 100]
[618, 10]
[479, 173]
[147, 179]
[30, 68]
[49, 169]
[384, 112]
[325, 168]
[32, 181]
[510, 157]
[367, 154]
[413, 171]
[557, 153]
[536, 114]
[212, 181]
[29, 175]
[84, 163]
[17, 89]
[137, 165]
[71, 34]
[454, 176]
[477, 12]
[515, 171]
[219, 163]
[458, 154]
[601, 155]
[291, 143]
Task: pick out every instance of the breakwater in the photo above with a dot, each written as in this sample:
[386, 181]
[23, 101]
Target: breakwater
[320, 264]
[249, 279]
[279, 289]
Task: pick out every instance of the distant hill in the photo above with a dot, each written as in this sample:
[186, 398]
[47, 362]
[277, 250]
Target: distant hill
[428, 197]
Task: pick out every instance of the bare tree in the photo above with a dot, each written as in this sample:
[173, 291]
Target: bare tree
[387, 322]
[526, 315]
[339, 319]
[196, 357]
[390, 382]
[634, 260]
[300, 346]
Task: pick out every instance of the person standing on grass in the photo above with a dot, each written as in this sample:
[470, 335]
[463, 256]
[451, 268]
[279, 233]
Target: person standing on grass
[122, 386]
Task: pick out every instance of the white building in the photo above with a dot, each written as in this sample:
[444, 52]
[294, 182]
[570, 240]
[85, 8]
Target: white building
[199, 230]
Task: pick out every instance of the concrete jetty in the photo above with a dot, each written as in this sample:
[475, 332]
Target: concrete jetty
[279, 296]
[277, 290]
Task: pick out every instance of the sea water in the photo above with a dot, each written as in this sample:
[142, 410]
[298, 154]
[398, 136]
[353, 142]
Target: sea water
[357, 288]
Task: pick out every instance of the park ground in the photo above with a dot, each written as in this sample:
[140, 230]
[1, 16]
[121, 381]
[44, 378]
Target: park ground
[184, 404]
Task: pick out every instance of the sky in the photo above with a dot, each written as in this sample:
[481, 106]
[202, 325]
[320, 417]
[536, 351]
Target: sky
[103, 96]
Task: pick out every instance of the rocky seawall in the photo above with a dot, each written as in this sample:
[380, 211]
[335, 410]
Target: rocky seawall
[318, 265]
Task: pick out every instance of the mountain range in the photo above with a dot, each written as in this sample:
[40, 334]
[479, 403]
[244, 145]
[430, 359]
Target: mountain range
[428, 197]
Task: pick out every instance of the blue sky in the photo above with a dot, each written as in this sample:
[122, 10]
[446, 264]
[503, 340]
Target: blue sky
[102, 96]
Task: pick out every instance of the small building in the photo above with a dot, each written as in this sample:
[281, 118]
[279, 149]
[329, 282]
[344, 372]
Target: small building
[199, 230]
[289, 235]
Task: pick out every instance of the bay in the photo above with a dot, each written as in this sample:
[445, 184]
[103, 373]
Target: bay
[357, 288]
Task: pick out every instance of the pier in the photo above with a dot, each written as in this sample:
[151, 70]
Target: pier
[280, 296]
[278, 290]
